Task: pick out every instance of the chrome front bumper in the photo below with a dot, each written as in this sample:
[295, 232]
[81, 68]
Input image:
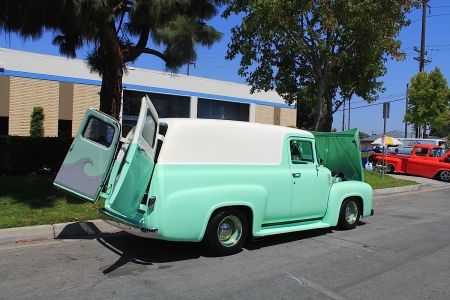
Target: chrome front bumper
[151, 233]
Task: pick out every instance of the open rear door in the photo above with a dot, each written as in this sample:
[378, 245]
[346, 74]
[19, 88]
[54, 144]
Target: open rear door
[126, 200]
[86, 166]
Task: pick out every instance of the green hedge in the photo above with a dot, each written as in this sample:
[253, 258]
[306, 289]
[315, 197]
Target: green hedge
[25, 155]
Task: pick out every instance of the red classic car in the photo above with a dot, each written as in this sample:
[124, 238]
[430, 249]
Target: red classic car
[425, 160]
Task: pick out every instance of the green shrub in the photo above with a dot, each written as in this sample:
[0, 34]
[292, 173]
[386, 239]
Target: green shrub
[37, 122]
[24, 155]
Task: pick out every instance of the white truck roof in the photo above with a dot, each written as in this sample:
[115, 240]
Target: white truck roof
[207, 141]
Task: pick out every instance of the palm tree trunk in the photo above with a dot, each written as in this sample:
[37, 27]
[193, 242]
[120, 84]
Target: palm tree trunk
[112, 73]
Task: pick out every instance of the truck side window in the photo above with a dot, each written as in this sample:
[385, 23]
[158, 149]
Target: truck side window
[301, 152]
[421, 151]
[99, 132]
[149, 131]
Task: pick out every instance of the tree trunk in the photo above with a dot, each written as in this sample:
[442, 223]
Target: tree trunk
[318, 109]
[328, 124]
[112, 73]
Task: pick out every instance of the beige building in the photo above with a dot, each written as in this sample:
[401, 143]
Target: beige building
[65, 89]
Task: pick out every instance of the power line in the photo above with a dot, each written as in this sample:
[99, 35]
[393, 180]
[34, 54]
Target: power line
[441, 15]
[217, 67]
[375, 104]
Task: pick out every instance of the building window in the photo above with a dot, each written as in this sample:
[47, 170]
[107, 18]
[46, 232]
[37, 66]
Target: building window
[4, 128]
[167, 106]
[64, 128]
[215, 109]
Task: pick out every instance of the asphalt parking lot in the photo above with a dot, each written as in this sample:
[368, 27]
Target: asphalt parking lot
[402, 252]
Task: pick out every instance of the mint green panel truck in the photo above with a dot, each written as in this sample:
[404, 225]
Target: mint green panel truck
[214, 181]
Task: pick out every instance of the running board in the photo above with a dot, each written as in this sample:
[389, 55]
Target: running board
[278, 229]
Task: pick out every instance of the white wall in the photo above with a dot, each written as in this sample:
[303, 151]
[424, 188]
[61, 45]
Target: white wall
[136, 79]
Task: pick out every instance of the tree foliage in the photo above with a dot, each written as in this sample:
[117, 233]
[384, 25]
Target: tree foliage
[117, 32]
[429, 100]
[363, 135]
[444, 132]
[330, 48]
[37, 122]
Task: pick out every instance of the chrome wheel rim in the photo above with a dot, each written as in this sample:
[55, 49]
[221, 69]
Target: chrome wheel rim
[351, 212]
[389, 169]
[229, 231]
[445, 175]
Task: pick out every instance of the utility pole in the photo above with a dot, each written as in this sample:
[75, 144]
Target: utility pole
[422, 51]
[189, 64]
[348, 114]
[343, 116]
[422, 39]
[188, 67]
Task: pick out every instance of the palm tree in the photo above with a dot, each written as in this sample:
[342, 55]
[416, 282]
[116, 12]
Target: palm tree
[117, 31]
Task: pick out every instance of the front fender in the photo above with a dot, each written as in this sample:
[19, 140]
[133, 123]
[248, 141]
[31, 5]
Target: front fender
[347, 189]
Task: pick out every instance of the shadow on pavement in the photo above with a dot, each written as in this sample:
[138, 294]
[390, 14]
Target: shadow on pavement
[76, 230]
[148, 251]
[144, 252]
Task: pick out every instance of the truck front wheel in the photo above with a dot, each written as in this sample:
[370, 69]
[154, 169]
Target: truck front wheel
[390, 169]
[226, 232]
[349, 214]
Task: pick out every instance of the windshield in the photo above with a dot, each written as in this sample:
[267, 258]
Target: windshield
[437, 152]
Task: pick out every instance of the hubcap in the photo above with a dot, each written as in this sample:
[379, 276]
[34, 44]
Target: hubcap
[229, 231]
[351, 212]
[445, 175]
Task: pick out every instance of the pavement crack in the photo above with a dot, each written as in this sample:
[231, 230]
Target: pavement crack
[301, 282]
[317, 287]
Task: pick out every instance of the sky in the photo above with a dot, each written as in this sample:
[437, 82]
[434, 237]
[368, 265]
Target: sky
[366, 117]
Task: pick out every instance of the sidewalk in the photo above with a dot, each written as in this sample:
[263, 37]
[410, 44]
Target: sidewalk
[60, 231]
[423, 183]
[95, 227]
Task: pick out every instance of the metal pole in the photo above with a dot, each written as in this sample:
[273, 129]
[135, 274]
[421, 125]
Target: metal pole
[406, 111]
[384, 148]
[386, 108]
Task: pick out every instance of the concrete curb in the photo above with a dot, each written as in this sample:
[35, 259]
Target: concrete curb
[402, 189]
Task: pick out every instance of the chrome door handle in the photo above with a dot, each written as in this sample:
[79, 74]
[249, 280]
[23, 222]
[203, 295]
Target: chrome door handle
[296, 175]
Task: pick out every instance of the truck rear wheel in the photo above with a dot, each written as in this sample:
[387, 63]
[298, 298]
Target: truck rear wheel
[349, 214]
[226, 232]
